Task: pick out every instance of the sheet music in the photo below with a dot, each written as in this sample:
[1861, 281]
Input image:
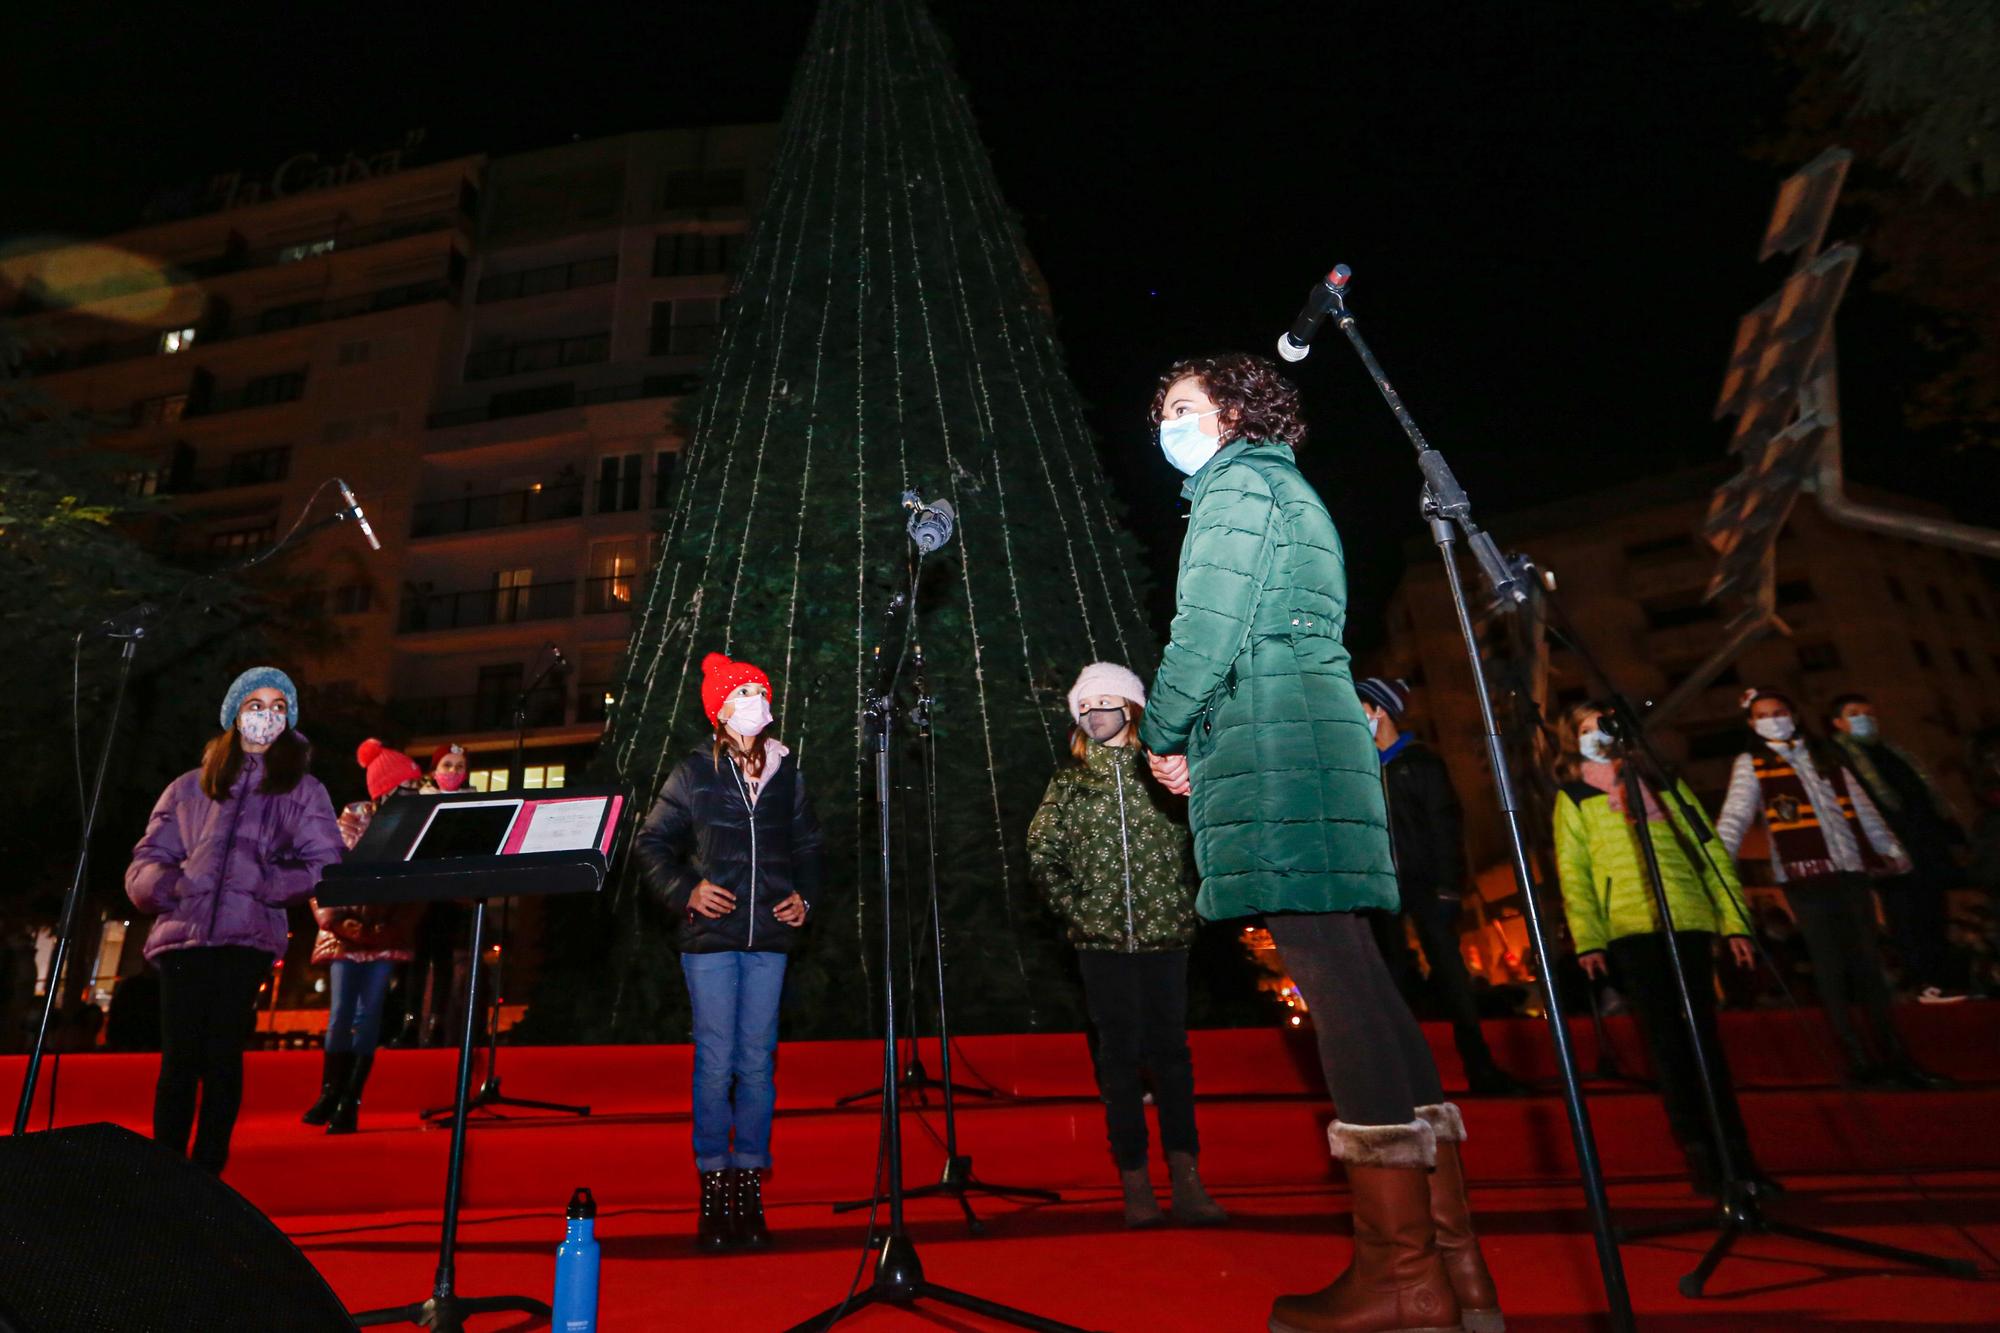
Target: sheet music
[564, 826]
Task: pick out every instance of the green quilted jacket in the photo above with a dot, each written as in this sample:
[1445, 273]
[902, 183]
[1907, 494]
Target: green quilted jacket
[1254, 687]
[1606, 895]
[1109, 858]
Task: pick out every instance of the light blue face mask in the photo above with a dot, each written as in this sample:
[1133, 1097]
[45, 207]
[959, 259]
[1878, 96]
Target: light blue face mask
[1863, 727]
[1184, 444]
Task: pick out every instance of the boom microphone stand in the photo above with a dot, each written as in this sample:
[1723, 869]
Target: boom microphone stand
[1739, 1209]
[899, 1274]
[489, 1093]
[1448, 511]
[958, 1178]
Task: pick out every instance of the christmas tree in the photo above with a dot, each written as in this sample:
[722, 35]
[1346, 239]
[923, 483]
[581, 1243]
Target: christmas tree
[888, 332]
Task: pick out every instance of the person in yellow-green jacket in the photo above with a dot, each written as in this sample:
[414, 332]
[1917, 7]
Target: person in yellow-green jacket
[1615, 923]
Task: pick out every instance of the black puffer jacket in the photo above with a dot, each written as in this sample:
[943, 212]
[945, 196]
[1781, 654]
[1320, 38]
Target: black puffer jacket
[703, 827]
[1425, 826]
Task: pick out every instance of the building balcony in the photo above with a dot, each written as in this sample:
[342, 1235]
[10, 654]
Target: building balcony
[563, 396]
[505, 509]
[275, 320]
[613, 595]
[238, 260]
[464, 714]
[425, 613]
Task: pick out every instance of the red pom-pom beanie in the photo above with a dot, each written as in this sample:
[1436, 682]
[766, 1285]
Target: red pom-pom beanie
[719, 676]
[387, 769]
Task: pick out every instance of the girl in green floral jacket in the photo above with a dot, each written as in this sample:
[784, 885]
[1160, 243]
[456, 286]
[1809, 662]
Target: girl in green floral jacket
[1114, 865]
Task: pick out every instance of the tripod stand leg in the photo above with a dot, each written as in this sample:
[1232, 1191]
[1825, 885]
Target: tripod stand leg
[1006, 1314]
[1725, 1240]
[825, 1319]
[1895, 1254]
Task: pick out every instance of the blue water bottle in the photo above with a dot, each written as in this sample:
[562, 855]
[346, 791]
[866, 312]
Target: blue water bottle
[575, 1301]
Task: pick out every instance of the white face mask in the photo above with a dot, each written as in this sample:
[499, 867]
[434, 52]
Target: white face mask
[261, 728]
[1596, 746]
[750, 716]
[1774, 728]
[1184, 443]
[1375, 725]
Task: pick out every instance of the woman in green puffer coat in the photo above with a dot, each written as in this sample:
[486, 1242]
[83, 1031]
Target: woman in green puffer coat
[1254, 718]
[1616, 925]
[1112, 861]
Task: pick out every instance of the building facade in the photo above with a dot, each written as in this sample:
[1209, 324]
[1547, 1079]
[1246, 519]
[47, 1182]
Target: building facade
[1912, 626]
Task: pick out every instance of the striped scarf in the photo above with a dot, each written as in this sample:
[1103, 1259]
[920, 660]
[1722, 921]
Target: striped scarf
[1797, 842]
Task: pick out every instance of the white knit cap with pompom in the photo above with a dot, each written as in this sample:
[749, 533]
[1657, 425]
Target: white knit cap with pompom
[1105, 678]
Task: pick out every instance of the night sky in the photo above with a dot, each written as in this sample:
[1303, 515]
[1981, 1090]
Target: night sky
[1548, 206]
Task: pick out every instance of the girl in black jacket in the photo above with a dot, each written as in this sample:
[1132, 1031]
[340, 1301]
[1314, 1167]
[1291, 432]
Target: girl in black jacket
[733, 850]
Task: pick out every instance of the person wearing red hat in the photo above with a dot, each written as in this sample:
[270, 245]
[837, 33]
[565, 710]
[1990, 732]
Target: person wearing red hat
[449, 766]
[732, 849]
[361, 948]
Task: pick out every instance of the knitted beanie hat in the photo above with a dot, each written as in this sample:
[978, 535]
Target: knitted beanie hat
[387, 769]
[1391, 696]
[720, 676]
[1104, 678]
[258, 678]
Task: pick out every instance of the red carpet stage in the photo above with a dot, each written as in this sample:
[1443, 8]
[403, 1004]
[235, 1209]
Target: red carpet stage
[1919, 1170]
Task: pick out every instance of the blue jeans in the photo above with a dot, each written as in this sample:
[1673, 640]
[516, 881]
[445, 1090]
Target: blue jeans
[359, 990]
[735, 1000]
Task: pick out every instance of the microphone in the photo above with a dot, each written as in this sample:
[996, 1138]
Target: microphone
[354, 512]
[1321, 301]
[930, 524]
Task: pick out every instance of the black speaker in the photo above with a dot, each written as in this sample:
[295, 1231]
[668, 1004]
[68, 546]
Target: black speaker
[102, 1229]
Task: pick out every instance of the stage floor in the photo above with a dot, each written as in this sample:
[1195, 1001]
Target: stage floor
[1918, 1170]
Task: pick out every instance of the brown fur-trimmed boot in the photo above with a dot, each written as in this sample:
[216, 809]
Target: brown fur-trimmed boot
[1396, 1281]
[1451, 1214]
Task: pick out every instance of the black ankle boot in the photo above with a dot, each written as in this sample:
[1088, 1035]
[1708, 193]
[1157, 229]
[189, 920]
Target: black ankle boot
[712, 1228]
[748, 1208]
[346, 1116]
[333, 1070]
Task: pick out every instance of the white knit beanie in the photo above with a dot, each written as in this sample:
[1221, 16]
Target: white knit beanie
[1105, 678]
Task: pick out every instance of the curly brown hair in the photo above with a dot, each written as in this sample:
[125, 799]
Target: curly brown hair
[1257, 402]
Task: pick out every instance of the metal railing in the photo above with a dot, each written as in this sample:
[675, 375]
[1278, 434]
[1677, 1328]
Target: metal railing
[561, 397]
[525, 358]
[460, 714]
[610, 595]
[423, 612]
[477, 513]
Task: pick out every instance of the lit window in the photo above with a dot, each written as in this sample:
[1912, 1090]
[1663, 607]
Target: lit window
[291, 254]
[487, 779]
[176, 340]
[543, 777]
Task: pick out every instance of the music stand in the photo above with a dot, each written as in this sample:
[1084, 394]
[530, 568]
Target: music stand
[468, 846]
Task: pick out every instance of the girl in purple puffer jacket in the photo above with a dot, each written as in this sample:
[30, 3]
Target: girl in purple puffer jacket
[229, 847]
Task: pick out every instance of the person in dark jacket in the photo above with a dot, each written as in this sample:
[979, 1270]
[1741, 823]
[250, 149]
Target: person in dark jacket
[361, 948]
[1428, 834]
[1913, 904]
[732, 849]
[1113, 863]
[229, 847]
[1253, 716]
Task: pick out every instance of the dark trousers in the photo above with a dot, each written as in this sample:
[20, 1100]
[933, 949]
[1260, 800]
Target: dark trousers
[1836, 915]
[1436, 921]
[1645, 976]
[1920, 924]
[1138, 1004]
[1377, 1065]
[208, 1003]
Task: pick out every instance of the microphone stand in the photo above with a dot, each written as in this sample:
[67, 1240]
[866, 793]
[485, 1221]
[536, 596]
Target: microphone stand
[1739, 1209]
[129, 627]
[958, 1178]
[489, 1094]
[899, 1273]
[1448, 511]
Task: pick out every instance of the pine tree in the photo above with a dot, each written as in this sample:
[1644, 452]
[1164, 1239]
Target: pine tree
[888, 332]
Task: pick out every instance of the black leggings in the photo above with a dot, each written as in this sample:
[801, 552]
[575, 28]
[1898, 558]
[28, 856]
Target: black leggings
[1377, 1064]
[1645, 974]
[1138, 1004]
[208, 1002]
[1836, 915]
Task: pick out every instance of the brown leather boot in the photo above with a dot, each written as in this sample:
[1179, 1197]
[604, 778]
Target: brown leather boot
[1451, 1214]
[1396, 1282]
